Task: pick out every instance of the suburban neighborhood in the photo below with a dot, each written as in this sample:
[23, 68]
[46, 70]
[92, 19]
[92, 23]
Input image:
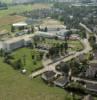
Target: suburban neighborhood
[48, 49]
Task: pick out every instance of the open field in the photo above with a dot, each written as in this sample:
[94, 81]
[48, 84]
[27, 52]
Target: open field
[6, 19]
[15, 86]
[11, 19]
[29, 62]
[22, 8]
[5, 22]
[52, 23]
[6, 1]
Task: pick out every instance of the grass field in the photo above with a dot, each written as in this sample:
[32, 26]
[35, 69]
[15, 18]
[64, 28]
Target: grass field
[75, 44]
[22, 8]
[29, 63]
[6, 19]
[6, 1]
[15, 86]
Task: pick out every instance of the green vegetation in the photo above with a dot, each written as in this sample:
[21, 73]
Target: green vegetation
[32, 58]
[74, 44]
[6, 1]
[14, 85]
[15, 10]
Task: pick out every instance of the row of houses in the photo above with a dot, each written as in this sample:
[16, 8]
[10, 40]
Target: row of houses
[52, 77]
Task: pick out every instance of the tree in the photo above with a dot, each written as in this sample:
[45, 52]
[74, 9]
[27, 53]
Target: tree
[18, 64]
[66, 46]
[24, 59]
[63, 67]
[2, 52]
[12, 29]
[46, 29]
[32, 29]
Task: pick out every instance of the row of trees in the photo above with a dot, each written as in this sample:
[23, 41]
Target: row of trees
[74, 65]
[58, 49]
[93, 43]
[20, 63]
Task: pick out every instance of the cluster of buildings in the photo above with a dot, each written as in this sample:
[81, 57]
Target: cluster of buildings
[52, 77]
[15, 42]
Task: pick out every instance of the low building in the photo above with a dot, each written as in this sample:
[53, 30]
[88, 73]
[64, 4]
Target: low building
[74, 37]
[13, 44]
[88, 97]
[48, 76]
[61, 81]
[16, 42]
[81, 58]
[95, 55]
[53, 28]
[91, 72]
[45, 34]
[62, 34]
[19, 24]
[91, 87]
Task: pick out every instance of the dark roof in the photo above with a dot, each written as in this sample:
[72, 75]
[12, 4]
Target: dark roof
[81, 57]
[88, 97]
[95, 55]
[91, 71]
[61, 81]
[91, 87]
[48, 75]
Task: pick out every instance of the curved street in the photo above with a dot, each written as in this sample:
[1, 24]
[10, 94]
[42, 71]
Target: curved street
[48, 66]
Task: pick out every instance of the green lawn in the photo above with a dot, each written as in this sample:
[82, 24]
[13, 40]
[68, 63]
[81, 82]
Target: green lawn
[29, 63]
[15, 9]
[22, 8]
[15, 86]
[6, 1]
[76, 44]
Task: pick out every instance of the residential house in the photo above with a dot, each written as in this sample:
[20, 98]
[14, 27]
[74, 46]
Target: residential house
[61, 81]
[91, 88]
[91, 72]
[48, 76]
[88, 97]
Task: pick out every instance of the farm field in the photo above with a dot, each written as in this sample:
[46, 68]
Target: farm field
[6, 1]
[6, 17]
[22, 8]
[11, 19]
[15, 86]
[5, 22]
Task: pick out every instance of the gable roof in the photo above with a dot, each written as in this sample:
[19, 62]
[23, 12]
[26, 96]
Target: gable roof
[88, 97]
[91, 71]
[61, 81]
[48, 75]
[91, 87]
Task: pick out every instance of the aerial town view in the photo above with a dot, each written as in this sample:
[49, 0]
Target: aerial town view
[48, 49]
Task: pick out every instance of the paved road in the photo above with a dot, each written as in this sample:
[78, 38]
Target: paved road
[87, 48]
[84, 80]
[48, 66]
[86, 28]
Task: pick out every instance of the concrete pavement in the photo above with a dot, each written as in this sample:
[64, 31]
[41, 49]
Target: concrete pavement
[52, 66]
